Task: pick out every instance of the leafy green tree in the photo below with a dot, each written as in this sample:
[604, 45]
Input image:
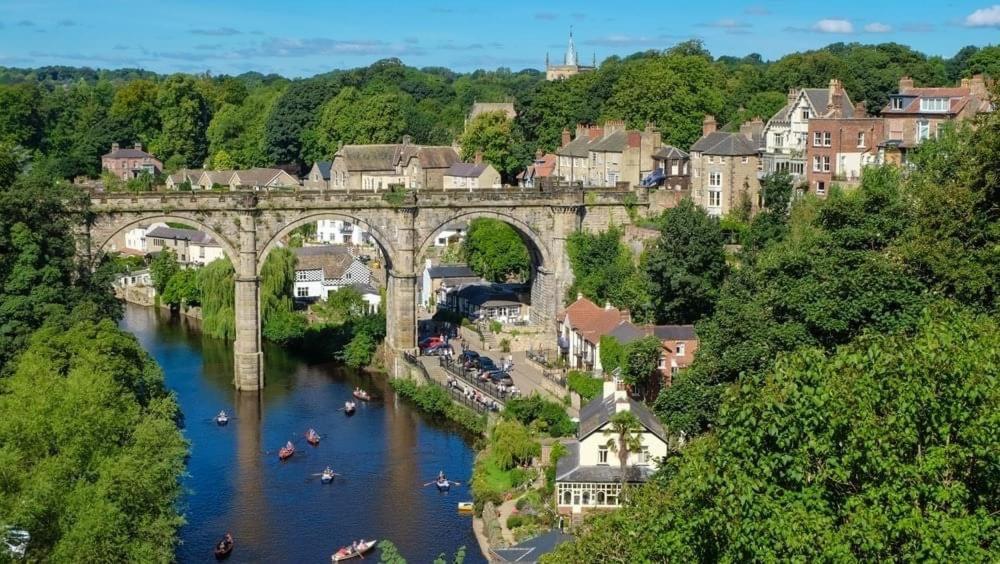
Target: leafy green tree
[182, 288]
[389, 554]
[135, 112]
[359, 351]
[162, 268]
[761, 105]
[612, 353]
[343, 306]
[640, 364]
[184, 115]
[21, 122]
[294, 113]
[624, 435]
[540, 414]
[280, 323]
[495, 251]
[221, 160]
[604, 271]
[353, 117]
[880, 451]
[218, 299]
[500, 141]
[776, 191]
[11, 163]
[686, 266]
[239, 129]
[984, 61]
[512, 444]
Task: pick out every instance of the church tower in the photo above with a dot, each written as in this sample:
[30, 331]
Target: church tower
[571, 63]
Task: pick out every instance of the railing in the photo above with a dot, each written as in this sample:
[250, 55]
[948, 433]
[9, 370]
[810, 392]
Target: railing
[482, 404]
[500, 393]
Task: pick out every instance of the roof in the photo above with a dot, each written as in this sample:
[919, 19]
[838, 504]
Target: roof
[324, 168]
[218, 176]
[192, 235]
[128, 153]
[614, 142]
[486, 295]
[579, 147]
[529, 551]
[260, 176]
[333, 260]
[437, 157]
[669, 152]
[189, 174]
[818, 99]
[365, 289]
[489, 107]
[725, 144]
[568, 469]
[368, 157]
[467, 170]
[598, 412]
[542, 167]
[627, 332]
[592, 321]
[451, 271]
[958, 99]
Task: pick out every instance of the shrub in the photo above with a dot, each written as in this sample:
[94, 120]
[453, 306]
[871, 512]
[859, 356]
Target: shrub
[584, 384]
[435, 401]
[515, 521]
[541, 414]
[505, 345]
[495, 326]
[513, 444]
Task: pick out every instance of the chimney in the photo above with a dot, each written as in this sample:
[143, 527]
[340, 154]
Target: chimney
[860, 110]
[565, 136]
[965, 83]
[114, 147]
[138, 146]
[977, 87]
[613, 125]
[607, 306]
[836, 99]
[793, 94]
[905, 83]
[579, 296]
[539, 154]
[753, 128]
[708, 125]
[479, 157]
[581, 130]
[407, 139]
[595, 132]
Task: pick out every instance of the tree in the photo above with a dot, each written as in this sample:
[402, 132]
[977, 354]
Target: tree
[162, 269]
[221, 160]
[776, 191]
[881, 451]
[603, 271]
[500, 141]
[184, 115]
[495, 251]
[640, 364]
[294, 113]
[11, 163]
[182, 288]
[239, 129]
[218, 299]
[686, 265]
[624, 434]
[353, 117]
[21, 122]
[359, 351]
[136, 113]
[512, 444]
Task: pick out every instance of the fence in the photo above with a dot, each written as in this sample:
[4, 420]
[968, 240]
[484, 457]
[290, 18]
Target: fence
[455, 369]
[457, 395]
[545, 359]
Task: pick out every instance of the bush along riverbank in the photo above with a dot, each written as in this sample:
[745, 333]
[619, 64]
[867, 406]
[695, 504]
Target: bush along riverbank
[434, 400]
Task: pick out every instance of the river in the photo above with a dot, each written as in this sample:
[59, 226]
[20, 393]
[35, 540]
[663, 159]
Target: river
[280, 511]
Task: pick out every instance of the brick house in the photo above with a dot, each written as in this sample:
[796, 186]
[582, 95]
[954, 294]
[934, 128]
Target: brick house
[725, 166]
[541, 169]
[840, 148]
[914, 114]
[127, 164]
[679, 342]
[581, 327]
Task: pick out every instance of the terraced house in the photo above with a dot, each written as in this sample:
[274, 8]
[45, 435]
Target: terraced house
[725, 167]
[377, 167]
[608, 154]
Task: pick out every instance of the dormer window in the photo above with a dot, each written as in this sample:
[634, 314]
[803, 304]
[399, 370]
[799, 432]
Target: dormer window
[897, 103]
[805, 114]
[934, 104]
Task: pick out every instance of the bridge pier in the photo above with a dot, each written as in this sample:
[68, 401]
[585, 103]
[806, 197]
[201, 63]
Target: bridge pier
[249, 365]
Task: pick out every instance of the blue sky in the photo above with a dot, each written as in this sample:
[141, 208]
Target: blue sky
[306, 37]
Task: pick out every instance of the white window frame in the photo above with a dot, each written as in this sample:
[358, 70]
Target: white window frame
[602, 455]
[717, 196]
[715, 179]
[935, 104]
[827, 139]
[897, 103]
[861, 139]
[302, 292]
[817, 139]
[923, 130]
[679, 349]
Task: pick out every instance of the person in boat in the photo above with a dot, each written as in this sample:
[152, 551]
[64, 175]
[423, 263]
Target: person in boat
[221, 415]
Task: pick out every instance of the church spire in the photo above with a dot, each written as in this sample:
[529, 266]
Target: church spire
[571, 50]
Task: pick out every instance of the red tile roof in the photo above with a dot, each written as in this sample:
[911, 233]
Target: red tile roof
[592, 321]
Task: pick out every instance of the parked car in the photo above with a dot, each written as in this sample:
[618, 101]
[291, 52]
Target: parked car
[430, 344]
[438, 350]
[501, 377]
[486, 363]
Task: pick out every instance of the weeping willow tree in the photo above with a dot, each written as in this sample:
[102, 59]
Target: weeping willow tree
[280, 323]
[218, 304]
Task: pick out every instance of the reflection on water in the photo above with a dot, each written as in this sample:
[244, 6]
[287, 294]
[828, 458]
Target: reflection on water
[279, 511]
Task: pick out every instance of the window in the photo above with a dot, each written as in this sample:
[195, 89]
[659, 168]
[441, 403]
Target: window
[923, 130]
[827, 139]
[821, 187]
[934, 104]
[663, 362]
[805, 114]
[779, 139]
[301, 275]
[797, 168]
[642, 457]
[714, 198]
[201, 252]
[826, 164]
[715, 179]
[602, 455]
[680, 349]
[817, 164]
[861, 139]
[897, 103]
[301, 292]
[817, 139]
[745, 160]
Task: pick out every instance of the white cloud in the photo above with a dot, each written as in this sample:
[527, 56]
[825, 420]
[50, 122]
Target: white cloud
[876, 27]
[833, 26]
[984, 17]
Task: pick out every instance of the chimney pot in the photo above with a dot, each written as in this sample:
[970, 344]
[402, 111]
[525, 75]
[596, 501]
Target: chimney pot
[607, 306]
[708, 125]
[565, 136]
[579, 296]
[407, 139]
[479, 157]
[138, 146]
[539, 154]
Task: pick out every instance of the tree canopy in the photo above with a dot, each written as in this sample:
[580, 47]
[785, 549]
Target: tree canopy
[494, 250]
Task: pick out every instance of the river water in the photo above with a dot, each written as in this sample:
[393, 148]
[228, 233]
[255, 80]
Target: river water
[279, 511]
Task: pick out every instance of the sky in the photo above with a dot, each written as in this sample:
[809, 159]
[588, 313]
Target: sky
[297, 38]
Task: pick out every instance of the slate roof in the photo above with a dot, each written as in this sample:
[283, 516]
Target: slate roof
[364, 288]
[218, 176]
[437, 157]
[451, 271]
[725, 144]
[958, 99]
[568, 469]
[128, 153]
[369, 157]
[579, 147]
[324, 169]
[818, 98]
[597, 413]
[487, 296]
[627, 332]
[529, 551]
[189, 174]
[177, 234]
[591, 320]
[669, 152]
[467, 170]
[260, 176]
[333, 260]
[615, 142]
[675, 332]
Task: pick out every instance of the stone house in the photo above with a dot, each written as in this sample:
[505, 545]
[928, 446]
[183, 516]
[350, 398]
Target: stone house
[786, 133]
[127, 164]
[588, 477]
[341, 232]
[190, 245]
[424, 167]
[377, 167]
[489, 302]
[581, 326]
[211, 178]
[672, 170]
[318, 177]
[471, 176]
[262, 178]
[189, 175]
[724, 168]
[437, 281]
[609, 154]
[326, 268]
[840, 148]
[915, 114]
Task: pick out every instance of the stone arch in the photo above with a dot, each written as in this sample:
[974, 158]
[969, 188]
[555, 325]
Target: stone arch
[539, 251]
[384, 242]
[98, 244]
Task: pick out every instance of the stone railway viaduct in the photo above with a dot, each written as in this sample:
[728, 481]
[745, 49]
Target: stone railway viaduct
[248, 224]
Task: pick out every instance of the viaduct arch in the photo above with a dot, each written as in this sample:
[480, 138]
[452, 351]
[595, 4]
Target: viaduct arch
[249, 224]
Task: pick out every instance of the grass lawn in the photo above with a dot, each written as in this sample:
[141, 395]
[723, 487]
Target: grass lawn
[495, 478]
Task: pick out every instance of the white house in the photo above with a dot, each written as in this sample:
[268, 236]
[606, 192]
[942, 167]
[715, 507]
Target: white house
[190, 245]
[371, 295]
[327, 268]
[471, 176]
[438, 280]
[340, 232]
[135, 238]
[453, 233]
[588, 477]
[581, 327]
